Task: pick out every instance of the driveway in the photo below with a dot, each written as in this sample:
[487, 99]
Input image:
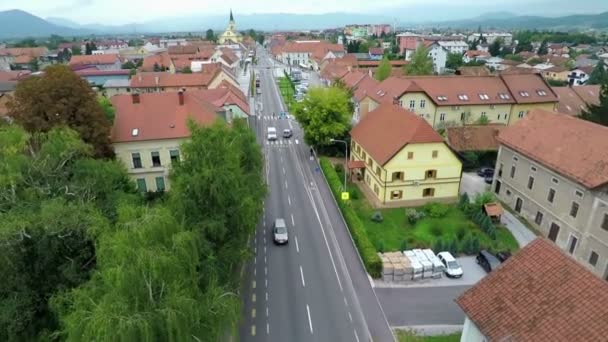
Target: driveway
[472, 184]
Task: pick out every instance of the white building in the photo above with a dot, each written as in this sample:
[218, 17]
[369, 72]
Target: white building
[165, 43]
[495, 63]
[507, 38]
[439, 55]
[454, 46]
[578, 77]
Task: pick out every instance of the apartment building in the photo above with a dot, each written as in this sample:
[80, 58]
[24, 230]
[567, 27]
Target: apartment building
[552, 170]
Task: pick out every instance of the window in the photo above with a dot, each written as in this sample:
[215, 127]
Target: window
[174, 156]
[605, 222]
[593, 258]
[428, 192]
[378, 171]
[578, 193]
[483, 114]
[155, 159]
[430, 174]
[530, 182]
[533, 168]
[551, 195]
[396, 194]
[521, 114]
[141, 185]
[554, 180]
[442, 117]
[397, 176]
[462, 116]
[572, 244]
[574, 209]
[508, 192]
[412, 103]
[515, 158]
[500, 170]
[435, 154]
[422, 103]
[539, 218]
[410, 155]
[364, 155]
[512, 171]
[136, 160]
[160, 183]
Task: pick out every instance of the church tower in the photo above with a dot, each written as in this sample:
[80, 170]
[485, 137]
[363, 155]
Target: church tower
[231, 35]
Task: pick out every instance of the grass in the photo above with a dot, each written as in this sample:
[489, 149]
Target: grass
[395, 228]
[286, 91]
[408, 336]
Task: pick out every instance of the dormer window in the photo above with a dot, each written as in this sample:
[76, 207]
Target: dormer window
[442, 98]
[135, 132]
[463, 97]
[484, 96]
[524, 94]
[541, 93]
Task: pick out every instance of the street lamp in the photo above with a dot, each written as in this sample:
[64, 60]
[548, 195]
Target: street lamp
[345, 157]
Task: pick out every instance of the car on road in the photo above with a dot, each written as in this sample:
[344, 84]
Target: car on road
[271, 134]
[452, 267]
[287, 133]
[279, 232]
[487, 261]
[485, 172]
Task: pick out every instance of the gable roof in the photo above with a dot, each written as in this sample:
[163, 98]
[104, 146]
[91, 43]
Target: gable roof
[569, 101]
[353, 78]
[94, 60]
[224, 95]
[162, 60]
[164, 79]
[474, 138]
[334, 71]
[464, 90]
[391, 88]
[32, 52]
[158, 116]
[384, 132]
[539, 294]
[528, 88]
[182, 49]
[589, 93]
[376, 51]
[365, 86]
[575, 148]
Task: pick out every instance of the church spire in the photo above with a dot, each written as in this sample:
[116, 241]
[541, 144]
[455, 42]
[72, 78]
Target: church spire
[231, 16]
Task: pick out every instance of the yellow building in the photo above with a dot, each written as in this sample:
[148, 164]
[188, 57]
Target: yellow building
[445, 101]
[402, 160]
[231, 35]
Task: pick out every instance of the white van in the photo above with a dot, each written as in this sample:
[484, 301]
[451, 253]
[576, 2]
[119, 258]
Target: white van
[272, 134]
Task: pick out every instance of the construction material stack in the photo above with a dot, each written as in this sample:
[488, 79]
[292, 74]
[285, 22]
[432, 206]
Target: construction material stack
[426, 264]
[437, 264]
[416, 266]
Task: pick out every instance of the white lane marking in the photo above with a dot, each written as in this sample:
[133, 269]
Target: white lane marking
[297, 142]
[254, 284]
[350, 317]
[283, 170]
[286, 185]
[297, 246]
[293, 223]
[345, 302]
[309, 320]
[264, 260]
[266, 296]
[265, 270]
[255, 260]
[302, 275]
[266, 311]
[266, 283]
[255, 250]
[264, 247]
[356, 335]
[268, 330]
[289, 200]
[290, 140]
[254, 272]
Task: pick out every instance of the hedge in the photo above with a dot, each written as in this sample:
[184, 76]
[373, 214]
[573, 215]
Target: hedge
[371, 260]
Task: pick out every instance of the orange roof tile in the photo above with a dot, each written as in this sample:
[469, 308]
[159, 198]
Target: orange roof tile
[575, 148]
[32, 52]
[392, 88]
[384, 132]
[589, 93]
[365, 86]
[464, 90]
[539, 294]
[94, 59]
[162, 60]
[529, 88]
[165, 79]
[182, 49]
[474, 138]
[569, 101]
[353, 78]
[493, 209]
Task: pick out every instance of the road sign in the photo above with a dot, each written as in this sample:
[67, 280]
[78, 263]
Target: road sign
[345, 196]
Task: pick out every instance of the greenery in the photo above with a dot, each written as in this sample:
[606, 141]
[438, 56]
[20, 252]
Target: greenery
[543, 48]
[555, 37]
[324, 114]
[512, 57]
[496, 47]
[108, 109]
[454, 61]
[598, 113]
[287, 91]
[60, 97]
[557, 83]
[421, 63]
[367, 251]
[599, 75]
[410, 336]
[384, 69]
[210, 35]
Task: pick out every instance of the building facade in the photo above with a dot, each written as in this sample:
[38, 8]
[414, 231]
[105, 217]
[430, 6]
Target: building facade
[231, 35]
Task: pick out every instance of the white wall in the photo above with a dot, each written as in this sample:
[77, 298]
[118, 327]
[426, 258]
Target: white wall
[470, 332]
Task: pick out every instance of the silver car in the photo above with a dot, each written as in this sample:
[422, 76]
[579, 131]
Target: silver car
[279, 232]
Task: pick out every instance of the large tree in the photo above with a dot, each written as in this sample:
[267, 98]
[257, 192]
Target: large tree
[454, 61]
[60, 97]
[324, 114]
[384, 69]
[421, 63]
[495, 48]
[543, 48]
[599, 74]
[598, 113]
[210, 35]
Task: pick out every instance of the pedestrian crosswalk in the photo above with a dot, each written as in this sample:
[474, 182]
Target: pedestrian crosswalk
[270, 117]
[281, 143]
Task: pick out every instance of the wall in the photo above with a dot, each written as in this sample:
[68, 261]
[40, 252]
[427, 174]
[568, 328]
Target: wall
[109, 92]
[470, 332]
[101, 80]
[472, 114]
[526, 107]
[222, 77]
[423, 105]
[365, 106]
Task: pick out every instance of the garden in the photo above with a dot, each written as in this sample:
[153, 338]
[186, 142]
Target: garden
[460, 228]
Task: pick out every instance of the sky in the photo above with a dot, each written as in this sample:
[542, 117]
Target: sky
[129, 11]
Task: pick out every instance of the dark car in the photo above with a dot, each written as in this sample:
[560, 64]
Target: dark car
[487, 261]
[287, 133]
[485, 172]
[488, 179]
[503, 256]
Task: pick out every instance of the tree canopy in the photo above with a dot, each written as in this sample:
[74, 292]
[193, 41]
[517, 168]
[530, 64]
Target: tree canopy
[384, 69]
[454, 61]
[543, 48]
[60, 97]
[495, 48]
[599, 74]
[421, 63]
[598, 113]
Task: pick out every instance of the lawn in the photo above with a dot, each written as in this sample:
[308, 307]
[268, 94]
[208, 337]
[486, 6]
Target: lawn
[408, 336]
[286, 91]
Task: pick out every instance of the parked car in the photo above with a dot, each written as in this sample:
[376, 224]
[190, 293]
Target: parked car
[287, 133]
[485, 172]
[487, 261]
[503, 256]
[272, 134]
[452, 267]
[279, 232]
[488, 179]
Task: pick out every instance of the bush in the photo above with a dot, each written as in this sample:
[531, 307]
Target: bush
[380, 246]
[484, 198]
[452, 245]
[354, 194]
[470, 244]
[371, 260]
[377, 217]
[413, 215]
[404, 245]
[460, 232]
[339, 168]
[439, 245]
[436, 210]
[464, 201]
[436, 231]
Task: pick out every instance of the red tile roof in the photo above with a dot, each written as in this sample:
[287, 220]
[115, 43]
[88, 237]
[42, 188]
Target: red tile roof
[539, 294]
[365, 86]
[334, 71]
[391, 89]
[94, 59]
[589, 93]
[376, 51]
[164, 79]
[569, 101]
[525, 88]
[384, 132]
[162, 60]
[474, 138]
[224, 95]
[33, 52]
[15, 75]
[477, 53]
[23, 59]
[158, 116]
[353, 78]
[182, 49]
[464, 90]
[95, 72]
[575, 148]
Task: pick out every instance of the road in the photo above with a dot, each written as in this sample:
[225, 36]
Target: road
[314, 288]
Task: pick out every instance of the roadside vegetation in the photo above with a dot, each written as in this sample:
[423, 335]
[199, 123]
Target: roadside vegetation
[287, 89]
[409, 336]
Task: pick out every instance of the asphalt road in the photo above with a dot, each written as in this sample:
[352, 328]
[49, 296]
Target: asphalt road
[314, 288]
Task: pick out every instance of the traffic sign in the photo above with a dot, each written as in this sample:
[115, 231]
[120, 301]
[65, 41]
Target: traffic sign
[345, 196]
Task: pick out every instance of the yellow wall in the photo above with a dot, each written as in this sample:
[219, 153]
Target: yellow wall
[222, 77]
[366, 105]
[446, 184]
[525, 108]
[558, 76]
[145, 148]
[427, 112]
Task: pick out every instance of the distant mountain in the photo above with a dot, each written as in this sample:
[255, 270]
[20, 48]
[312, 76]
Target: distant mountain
[582, 21]
[63, 22]
[20, 24]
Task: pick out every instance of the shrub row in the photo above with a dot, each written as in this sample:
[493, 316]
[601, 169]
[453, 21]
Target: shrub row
[366, 249]
[475, 213]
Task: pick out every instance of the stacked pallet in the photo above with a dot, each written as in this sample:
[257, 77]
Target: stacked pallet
[395, 267]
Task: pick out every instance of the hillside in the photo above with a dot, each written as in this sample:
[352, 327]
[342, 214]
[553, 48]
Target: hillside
[20, 24]
[582, 21]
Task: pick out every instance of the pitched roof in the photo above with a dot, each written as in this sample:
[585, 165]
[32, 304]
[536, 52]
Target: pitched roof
[33, 52]
[539, 294]
[391, 88]
[384, 132]
[529, 88]
[95, 72]
[569, 102]
[15, 75]
[474, 138]
[164, 79]
[473, 71]
[352, 78]
[224, 95]
[575, 148]
[376, 51]
[365, 86]
[162, 60]
[589, 93]
[158, 116]
[93, 59]
[182, 49]
[464, 90]
[477, 53]
[334, 71]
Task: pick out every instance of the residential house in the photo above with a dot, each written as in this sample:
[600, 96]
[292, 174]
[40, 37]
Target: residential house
[439, 55]
[506, 38]
[376, 53]
[99, 62]
[475, 56]
[574, 100]
[210, 78]
[229, 98]
[20, 58]
[149, 129]
[473, 138]
[116, 87]
[308, 54]
[402, 160]
[408, 43]
[556, 73]
[481, 70]
[558, 49]
[106, 45]
[454, 46]
[379, 29]
[166, 43]
[495, 63]
[158, 62]
[551, 169]
[539, 294]
[579, 76]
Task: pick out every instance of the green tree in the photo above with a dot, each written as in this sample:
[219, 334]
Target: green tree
[210, 35]
[495, 47]
[543, 49]
[599, 74]
[34, 65]
[108, 109]
[324, 114]
[60, 97]
[598, 113]
[421, 63]
[363, 47]
[128, 65]
[523, 45]
[384, 69]
[454, 61]
[76, 50]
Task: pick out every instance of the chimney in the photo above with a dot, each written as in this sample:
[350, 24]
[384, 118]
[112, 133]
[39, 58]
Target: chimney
[180, 96]
[135, 98]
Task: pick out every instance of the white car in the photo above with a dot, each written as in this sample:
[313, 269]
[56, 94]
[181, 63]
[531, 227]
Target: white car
[452, 267]
[272, 134]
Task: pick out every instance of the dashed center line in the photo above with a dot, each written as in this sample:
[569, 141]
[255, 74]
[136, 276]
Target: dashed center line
[289, 200]
[297, 247]
[302, 275]
[309, 320]
[293, 222]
